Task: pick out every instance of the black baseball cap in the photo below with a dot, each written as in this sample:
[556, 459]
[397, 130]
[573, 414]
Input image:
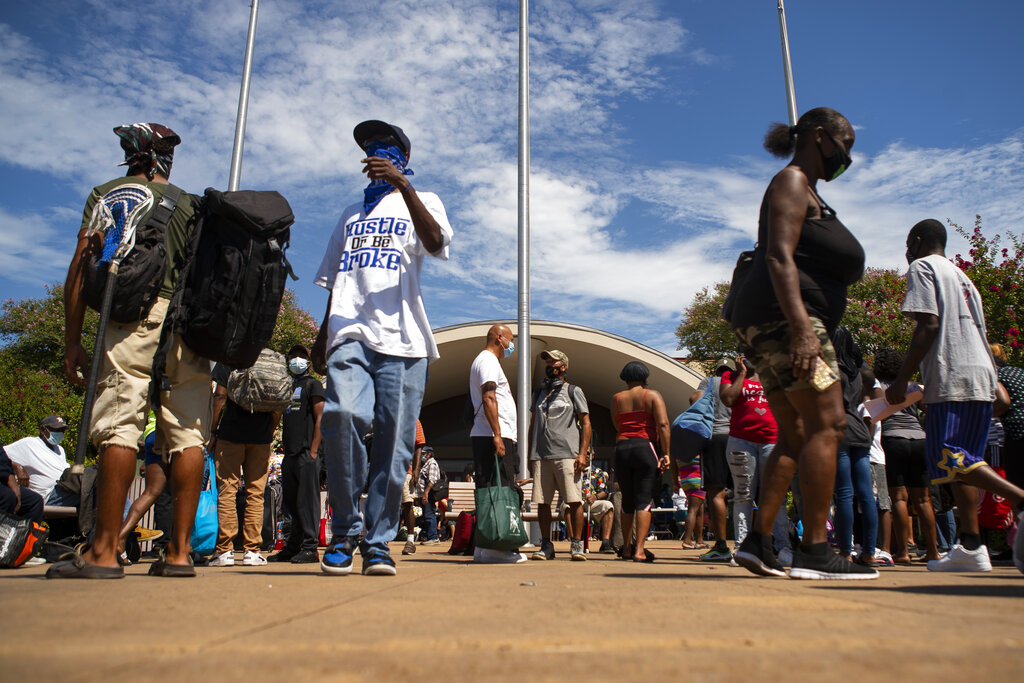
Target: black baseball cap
[368, 129]
[298, 351]
[54, 423]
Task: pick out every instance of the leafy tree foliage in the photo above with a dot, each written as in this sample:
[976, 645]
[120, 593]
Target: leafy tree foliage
[703, 332]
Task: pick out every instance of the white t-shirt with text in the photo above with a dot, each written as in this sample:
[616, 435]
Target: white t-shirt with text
[372, 268]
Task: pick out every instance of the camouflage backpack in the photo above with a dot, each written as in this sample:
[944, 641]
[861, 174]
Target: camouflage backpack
[264, 387]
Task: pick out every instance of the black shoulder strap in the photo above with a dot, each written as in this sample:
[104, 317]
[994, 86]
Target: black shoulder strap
[165, 209]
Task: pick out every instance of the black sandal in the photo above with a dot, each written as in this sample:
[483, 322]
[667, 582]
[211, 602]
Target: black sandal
[164, 568]
[73, 566]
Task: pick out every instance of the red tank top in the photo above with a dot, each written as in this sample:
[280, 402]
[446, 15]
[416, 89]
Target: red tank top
[637, 424]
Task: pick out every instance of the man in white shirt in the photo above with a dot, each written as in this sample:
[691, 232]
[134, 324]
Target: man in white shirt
[374, 346]
[960, 386]
[494, 433]
[44, 461]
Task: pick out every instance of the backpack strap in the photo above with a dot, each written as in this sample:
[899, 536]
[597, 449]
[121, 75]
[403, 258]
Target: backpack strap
[165, 209]
[158, 381]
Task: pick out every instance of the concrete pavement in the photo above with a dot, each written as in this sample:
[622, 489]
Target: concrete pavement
[443, 618]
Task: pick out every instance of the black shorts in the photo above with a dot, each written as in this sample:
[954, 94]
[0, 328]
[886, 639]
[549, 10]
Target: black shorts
[714, 470]
[905, 463]
[636, 470]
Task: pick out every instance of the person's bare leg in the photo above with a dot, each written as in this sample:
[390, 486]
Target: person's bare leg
[627, 530]
[606, 526]
[694, 512]
[717, 514]
[410, 519]
[643, 525]
[898, 496]
[156, 480]
[967, 502]
[922, 501]
[984, 477]
[544, 520]
[817, 422]
[116, 471]
[186, 482]
[884, 529]
[575, 513]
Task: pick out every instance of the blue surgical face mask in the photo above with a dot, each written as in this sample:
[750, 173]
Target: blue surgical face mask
[298, 366]
[55, 438]
[510, 349]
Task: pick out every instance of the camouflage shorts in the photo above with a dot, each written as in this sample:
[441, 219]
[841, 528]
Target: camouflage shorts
[767, 348]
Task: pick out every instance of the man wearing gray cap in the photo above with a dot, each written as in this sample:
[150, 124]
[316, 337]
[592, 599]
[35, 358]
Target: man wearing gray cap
[559, 449]
[374, 346]
[42, 459]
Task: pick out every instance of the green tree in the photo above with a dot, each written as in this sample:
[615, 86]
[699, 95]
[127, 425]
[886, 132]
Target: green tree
[295, 325]
[998, 272]
[703, 333]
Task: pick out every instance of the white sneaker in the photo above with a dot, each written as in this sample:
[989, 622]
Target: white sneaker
[253, 559]
[1018, 544]
[225, 559]
[489, 556]
[786, 557]
[959, 559]
[36, 561]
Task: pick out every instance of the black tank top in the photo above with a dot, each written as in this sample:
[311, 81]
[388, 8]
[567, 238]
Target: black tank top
[828, 259]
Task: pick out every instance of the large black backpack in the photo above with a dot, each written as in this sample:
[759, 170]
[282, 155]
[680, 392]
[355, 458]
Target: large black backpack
[235, 280]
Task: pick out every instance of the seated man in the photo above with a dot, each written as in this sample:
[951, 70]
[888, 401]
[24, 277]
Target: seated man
[597, 505]
[16, 498]
[44, 461]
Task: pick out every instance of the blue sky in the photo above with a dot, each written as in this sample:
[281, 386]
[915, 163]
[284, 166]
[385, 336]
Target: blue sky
[647, 119]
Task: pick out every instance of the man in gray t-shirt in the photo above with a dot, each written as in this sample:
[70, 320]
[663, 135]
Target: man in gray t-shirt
[559, 448]
[950, 346]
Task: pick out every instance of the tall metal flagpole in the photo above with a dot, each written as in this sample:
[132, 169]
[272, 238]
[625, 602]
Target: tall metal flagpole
[235, 176]
[787, 68]
[525, 354]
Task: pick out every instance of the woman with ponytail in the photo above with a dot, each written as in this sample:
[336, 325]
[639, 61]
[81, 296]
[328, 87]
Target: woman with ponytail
[788, 306]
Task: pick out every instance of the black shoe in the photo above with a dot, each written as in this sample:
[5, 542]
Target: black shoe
[376, 563]
[756, 555]
[283, 556]
[305, 557]
[606, 547]
[822, 563]
[546, 552]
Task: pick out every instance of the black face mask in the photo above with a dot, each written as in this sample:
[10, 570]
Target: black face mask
[835, 163]
[551, 372]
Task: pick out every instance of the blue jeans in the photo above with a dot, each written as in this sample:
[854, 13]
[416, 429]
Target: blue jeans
[746, 463]
[430, 518]
[364, 389]
[853, 480]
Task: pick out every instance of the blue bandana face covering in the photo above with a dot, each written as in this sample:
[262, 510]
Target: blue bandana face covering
[378, 189]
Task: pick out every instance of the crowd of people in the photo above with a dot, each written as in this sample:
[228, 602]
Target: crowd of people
[802, 436]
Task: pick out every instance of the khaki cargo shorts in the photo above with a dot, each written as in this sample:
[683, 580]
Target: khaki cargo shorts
[122, 391]
[555, 475]
[767, 347]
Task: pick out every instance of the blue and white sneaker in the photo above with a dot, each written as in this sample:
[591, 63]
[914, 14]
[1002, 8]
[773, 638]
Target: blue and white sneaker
[377, 563]
[337, 558]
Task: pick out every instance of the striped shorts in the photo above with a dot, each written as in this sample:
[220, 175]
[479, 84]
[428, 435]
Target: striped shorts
[955, 438]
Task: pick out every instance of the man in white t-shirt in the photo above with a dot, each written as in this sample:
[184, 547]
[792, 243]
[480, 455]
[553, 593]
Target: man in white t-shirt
[44, 461]
[494, 431]
[374, 346]
[960, 386]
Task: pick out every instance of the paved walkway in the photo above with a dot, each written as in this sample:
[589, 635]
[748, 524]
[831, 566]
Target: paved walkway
[444, 619]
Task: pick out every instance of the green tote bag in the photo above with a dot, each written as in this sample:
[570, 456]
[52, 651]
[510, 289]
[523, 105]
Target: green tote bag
[499, 525]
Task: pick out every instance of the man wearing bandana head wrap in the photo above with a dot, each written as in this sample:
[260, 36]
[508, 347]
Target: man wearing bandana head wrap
[121, 406]
[374, 346]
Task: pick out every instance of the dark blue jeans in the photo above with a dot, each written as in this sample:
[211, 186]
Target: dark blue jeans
[430, 518]
[853, 481]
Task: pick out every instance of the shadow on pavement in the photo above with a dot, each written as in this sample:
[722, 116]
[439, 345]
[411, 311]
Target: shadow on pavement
[962, 590]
